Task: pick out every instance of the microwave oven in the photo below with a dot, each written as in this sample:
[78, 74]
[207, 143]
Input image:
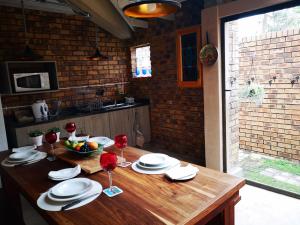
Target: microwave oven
[24, 82]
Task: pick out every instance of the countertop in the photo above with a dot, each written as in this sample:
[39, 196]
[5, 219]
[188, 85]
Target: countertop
[73, 113]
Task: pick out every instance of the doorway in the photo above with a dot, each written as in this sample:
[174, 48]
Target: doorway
[261, 97]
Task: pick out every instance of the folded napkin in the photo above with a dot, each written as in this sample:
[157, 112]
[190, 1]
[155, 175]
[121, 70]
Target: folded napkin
[181, 172]
[65, 173]
[24, 148]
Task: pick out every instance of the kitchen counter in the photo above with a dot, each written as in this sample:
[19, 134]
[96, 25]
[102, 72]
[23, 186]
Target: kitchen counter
[110, 121]
[75, 113]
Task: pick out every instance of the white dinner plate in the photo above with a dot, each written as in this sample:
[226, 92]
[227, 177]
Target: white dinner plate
[22, 156]
[61, 199]
[173, 163]
[166, 164]
[153, 159]
[70, 188]
[24, 148]
[105, 141]
[45, 203]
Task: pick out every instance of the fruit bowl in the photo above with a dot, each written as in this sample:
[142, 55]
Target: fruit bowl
[86, 151]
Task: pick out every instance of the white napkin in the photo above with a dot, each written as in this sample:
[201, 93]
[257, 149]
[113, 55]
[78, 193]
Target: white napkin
[65, 173]
[24, 148]
[180, 172]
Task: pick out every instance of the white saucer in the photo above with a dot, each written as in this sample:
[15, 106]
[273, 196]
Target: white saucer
[47, 204]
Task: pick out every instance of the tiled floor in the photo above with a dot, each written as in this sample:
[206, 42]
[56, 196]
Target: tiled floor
[261, 207]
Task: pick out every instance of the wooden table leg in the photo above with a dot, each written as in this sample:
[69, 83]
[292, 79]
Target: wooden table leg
[229, 210]
[13, 210]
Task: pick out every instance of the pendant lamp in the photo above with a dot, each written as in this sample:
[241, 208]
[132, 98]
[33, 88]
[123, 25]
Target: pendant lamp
[151, 8]
[97, 55]
[28, 53]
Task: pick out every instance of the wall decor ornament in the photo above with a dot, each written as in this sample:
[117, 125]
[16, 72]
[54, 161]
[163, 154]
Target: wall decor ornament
[208, 54]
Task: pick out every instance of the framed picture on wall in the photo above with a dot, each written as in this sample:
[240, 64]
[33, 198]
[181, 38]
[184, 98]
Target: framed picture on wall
[189, 68]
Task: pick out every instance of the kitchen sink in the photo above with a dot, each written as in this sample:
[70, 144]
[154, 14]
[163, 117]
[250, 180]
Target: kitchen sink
[115, 106]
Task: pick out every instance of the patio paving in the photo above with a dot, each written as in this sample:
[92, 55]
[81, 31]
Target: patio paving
[271, 171]
[262, 207]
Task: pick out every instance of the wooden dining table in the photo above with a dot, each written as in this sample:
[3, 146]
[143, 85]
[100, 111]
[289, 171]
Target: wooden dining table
[209, 198]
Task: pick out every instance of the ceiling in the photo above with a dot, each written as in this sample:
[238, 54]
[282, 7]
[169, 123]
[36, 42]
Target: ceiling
[105, 13]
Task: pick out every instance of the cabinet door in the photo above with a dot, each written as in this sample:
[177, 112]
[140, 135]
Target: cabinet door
[143, 121]
[97, 125]
[121, 123]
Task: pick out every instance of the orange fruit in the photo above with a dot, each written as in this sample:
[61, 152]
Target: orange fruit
[93, 145]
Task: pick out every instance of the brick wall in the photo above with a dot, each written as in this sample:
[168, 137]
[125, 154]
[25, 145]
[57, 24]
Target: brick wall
[232, 94]
[68, 40]
[274, 127]
[176, 114]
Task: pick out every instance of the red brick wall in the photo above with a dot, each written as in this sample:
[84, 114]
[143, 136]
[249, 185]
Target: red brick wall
[177, 119]
[274, 127]
[68, 40]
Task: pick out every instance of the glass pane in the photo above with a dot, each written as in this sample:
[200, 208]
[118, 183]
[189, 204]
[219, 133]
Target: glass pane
[143, 62]
[189, 57]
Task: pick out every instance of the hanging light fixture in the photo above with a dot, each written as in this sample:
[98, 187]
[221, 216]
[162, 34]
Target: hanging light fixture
[28, 53]
[97, 55]
[151, 8]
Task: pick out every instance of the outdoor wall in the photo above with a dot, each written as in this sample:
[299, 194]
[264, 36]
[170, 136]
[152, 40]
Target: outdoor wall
[272, 128]
[232, 94]
[68, 40]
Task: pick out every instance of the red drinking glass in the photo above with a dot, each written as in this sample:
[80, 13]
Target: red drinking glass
[121, 143]
[71, 128]
[51, 138]
[108, 162]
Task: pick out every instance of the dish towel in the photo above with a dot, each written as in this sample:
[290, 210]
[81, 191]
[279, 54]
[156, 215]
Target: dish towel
[181, 172]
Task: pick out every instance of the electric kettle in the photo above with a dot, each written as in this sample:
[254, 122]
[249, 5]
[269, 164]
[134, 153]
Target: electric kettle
[40, 109]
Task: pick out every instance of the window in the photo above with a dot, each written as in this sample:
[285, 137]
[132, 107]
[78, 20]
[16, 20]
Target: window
[141, 62]
[189, 70]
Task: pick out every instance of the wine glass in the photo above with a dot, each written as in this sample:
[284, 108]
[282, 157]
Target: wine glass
[71, 129]
[108, 162]
[51, 138]
[121, 143]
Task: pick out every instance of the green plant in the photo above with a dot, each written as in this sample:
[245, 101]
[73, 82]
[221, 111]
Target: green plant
[253, 92]
[35, 133]
[54, 129]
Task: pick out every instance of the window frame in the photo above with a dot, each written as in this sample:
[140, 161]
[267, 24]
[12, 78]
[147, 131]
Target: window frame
[134, 48]
[180, 32]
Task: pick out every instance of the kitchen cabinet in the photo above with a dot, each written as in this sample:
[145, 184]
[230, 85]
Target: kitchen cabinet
[109, 124]
[121, 122]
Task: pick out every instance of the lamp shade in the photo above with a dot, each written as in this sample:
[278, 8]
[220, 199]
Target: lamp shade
[151, 9]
